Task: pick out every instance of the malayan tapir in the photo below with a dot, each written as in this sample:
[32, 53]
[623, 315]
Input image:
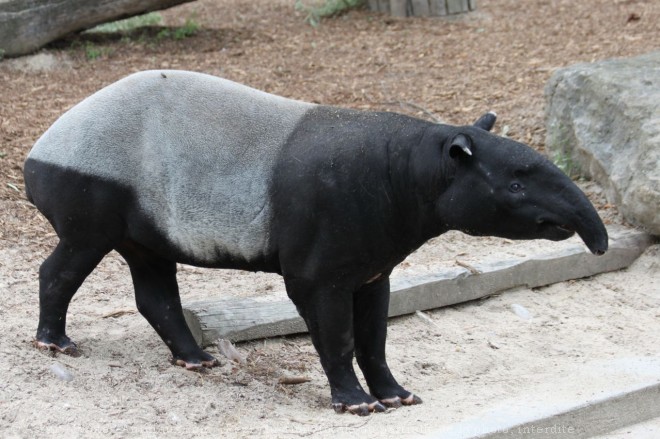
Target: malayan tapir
[175, 166]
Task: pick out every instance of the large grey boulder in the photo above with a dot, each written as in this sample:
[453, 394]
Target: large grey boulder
[26, 25]
[605, 118]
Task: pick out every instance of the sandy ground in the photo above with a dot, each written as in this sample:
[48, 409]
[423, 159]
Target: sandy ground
[472, 357]
[476, 354]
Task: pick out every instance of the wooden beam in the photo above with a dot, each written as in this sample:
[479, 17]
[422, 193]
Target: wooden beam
[247, 319]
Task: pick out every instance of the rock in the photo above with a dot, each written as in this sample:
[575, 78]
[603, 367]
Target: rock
[61, 372]
[605, 118]
[25, 26]
[521, 311]
[40, 62]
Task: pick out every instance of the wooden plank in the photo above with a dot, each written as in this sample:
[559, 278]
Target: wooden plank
[248, 319]
[244, 319]
[472, 4]
[373, 5]
[544, 268]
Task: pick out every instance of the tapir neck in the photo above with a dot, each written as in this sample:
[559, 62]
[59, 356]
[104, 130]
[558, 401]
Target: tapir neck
[419, 175]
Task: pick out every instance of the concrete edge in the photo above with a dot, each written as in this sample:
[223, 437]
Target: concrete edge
[594, 417]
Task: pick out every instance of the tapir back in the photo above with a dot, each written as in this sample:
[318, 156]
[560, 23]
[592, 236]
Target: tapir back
[196, 151]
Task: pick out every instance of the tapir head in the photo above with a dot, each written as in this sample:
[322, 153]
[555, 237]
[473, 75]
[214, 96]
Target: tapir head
[500, 187]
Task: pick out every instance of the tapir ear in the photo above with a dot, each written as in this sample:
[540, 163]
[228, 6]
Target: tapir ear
[486, 121]
[461, 144]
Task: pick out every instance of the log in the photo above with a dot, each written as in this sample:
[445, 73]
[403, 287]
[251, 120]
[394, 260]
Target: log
[457, 6]
[437, 7]
[248, 319]
[380, 5]
[422, 8]
[27, 25]
[384, 6]
[399, 8]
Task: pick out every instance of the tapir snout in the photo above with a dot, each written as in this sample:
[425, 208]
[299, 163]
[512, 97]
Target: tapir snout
[570, 211]
[504, 188]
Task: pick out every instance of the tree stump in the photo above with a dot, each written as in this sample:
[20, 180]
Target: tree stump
[422, 8]
[27, 25]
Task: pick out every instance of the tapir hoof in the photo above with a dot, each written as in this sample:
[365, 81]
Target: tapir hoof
[68, 348]
[198, 364]
[393, 403]
[403, 398]
[411, 400]
[397, 402]
[359, 409]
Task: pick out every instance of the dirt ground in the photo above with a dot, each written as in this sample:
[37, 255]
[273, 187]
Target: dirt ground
[497, 58]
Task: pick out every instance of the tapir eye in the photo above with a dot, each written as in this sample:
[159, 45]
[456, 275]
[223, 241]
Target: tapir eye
[516, 187]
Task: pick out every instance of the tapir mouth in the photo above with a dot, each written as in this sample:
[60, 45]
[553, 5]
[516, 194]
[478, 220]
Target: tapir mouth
[554, 231]
[558, 231]
[565, 229]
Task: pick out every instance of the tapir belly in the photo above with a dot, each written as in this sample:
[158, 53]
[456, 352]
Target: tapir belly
[195, 152]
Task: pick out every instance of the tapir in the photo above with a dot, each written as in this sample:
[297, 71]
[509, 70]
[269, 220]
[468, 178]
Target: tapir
[170, 167]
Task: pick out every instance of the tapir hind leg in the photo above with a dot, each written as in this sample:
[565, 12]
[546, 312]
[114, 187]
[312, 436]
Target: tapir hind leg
[157, 299]
[60, 276]
[370, 307]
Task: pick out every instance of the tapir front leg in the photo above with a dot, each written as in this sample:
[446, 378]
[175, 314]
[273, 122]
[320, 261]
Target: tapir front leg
[328, 315]
[370, 308]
